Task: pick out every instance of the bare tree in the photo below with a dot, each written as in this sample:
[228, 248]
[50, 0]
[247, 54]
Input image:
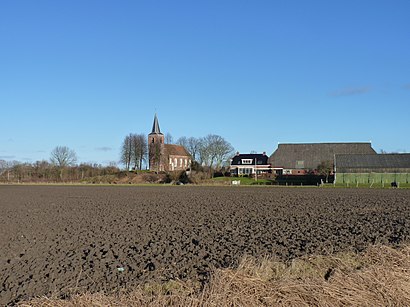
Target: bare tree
[214, 150]
[183, 141]
[3, 166]
[143, 149]
[204, 153]
[192, 145]
[63, 157]
[139, 149]
[169, 138]
[126, 151]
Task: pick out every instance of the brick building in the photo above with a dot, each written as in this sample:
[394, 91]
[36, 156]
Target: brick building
[165, 157]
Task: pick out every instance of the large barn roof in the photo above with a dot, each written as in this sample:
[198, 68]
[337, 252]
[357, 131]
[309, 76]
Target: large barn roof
[310, 155]
[382, 161]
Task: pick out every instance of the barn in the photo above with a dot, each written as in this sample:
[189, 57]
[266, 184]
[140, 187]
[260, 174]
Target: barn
[300, 159]
[380, 168]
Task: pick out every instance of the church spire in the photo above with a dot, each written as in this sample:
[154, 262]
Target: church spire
[155, 126]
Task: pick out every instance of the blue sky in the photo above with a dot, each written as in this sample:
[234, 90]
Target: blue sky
[83, 74]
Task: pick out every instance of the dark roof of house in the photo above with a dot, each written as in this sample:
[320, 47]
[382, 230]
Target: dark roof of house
[155, 126]
[175, 150]
[394, 161]
[310, 155]
[261, 159]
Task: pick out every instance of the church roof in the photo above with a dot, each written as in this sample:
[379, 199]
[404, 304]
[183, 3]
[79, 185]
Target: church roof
[175, 150]
[155, 126]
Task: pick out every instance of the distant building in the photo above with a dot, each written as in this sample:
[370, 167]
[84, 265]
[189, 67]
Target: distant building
[165, 157]
[249, 164]
[299, 159]
[380, 168]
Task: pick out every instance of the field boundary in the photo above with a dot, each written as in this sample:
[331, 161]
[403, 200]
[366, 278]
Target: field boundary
[376, 277]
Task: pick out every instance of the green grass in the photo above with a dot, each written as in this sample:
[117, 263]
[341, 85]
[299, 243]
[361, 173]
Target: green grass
[243, 180]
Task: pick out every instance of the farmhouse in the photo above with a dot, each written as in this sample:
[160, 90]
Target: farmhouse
[165, 157]
[300, 159]
[249, 164]
[381, 168]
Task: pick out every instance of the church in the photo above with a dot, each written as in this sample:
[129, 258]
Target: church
[165, 157]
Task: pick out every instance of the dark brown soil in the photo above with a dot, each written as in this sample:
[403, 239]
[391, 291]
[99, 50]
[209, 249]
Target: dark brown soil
[61, 240]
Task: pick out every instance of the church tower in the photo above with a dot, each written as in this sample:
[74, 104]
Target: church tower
[156, 147]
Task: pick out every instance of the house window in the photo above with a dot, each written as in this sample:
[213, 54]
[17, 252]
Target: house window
[246, 161]
[245, 171]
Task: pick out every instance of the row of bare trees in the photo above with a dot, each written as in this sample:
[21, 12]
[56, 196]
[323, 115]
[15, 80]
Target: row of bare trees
[61, 167]
[212, 150]
[134, 151]
[44, 171]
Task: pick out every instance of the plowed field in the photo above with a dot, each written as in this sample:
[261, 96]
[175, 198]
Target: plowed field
[57, 240]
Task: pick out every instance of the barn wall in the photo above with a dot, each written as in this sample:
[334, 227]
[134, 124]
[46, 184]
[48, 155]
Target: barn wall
[372, 177]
